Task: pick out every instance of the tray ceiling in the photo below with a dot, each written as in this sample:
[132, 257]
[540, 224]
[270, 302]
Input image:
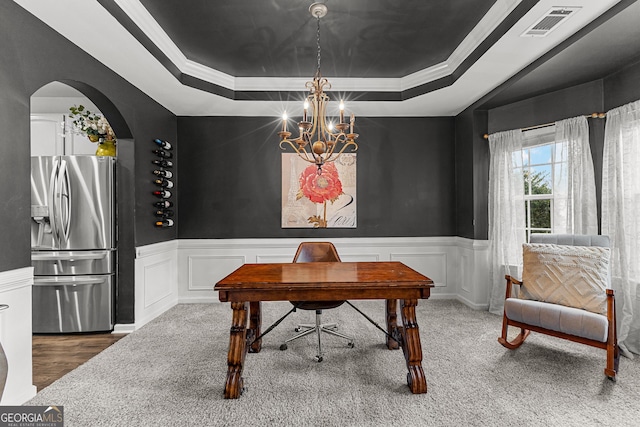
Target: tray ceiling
[386, 57]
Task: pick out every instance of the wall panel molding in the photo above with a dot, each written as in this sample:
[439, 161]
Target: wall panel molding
[186, 270]
[156, 282]
[205, 270]
[446, 260]
[15, 334]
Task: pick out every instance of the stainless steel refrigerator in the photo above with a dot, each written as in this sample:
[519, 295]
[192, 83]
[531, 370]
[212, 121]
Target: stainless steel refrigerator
[73, 243]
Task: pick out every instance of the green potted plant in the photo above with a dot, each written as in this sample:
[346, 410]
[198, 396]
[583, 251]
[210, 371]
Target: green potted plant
[96, 128]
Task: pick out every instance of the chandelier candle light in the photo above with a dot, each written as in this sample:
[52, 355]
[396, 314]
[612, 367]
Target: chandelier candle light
[318, 139]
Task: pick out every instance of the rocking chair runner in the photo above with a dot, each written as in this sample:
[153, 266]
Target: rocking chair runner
[594, 321]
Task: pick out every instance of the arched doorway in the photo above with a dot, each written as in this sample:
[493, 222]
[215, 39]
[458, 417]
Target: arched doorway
[52, 134]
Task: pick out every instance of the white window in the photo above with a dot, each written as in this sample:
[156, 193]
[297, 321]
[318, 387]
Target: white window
[539, 163]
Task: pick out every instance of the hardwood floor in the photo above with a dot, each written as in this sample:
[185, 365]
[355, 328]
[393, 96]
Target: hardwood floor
[56, 355]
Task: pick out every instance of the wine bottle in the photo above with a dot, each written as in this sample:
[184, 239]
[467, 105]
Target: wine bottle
[168, 222]
[163, 183]
[164, 194]
[163, 163]
[163, 153]
[163, 144]
[165, 213]
[163, 173]
[163, 204]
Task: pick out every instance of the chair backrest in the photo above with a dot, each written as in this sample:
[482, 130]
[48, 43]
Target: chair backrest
[571, 239]
[553, 272]
[316, 252]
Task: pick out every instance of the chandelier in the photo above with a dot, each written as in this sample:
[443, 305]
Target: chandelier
[319, 140]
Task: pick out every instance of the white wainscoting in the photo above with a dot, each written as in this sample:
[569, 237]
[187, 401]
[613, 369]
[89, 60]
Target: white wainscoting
[457, 266]
[156, 282]
[186, 270]
[15, 334]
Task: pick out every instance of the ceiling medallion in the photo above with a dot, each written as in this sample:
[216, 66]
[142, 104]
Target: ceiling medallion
[318, 137]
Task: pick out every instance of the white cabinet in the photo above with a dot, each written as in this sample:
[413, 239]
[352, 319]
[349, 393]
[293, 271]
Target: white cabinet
[51, 135]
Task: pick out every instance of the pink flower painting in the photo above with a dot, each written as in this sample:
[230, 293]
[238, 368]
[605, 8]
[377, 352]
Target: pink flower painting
[318, 200]
[320, 188]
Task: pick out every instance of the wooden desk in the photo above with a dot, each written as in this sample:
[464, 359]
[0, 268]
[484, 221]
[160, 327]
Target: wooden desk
[250, 284]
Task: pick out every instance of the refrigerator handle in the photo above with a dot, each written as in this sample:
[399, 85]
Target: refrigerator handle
[53, 209]
[65, 201]
[60, 203]
[68, 280]
[67, 256]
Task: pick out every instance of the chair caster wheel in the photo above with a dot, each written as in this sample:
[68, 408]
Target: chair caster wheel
[296, 329]
[319, 359]
[351, 344]
[283, 347]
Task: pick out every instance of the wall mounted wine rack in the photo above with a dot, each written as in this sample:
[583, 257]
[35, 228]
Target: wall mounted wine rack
[163, 183]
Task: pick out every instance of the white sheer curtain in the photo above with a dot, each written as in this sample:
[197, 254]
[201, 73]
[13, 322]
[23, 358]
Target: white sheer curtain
[574, 188]
[621, 217]
[506, 212]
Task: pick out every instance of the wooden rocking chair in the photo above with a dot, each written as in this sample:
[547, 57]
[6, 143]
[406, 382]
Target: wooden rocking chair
[562, 309]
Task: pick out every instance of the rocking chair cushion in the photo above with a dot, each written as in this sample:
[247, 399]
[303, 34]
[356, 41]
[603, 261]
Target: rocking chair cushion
[573, 276]
[560, 318]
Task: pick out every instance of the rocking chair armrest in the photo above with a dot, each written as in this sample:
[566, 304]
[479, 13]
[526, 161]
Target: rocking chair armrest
[511, 281]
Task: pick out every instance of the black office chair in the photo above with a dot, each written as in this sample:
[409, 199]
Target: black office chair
[317, 252]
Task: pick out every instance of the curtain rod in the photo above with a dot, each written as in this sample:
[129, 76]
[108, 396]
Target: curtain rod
[544, 125]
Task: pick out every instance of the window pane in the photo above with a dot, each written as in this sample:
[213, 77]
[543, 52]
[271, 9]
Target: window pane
[540, 213]
[526, 179]
[561, 151]
[540, 155]
[541, 179]
[525, 157]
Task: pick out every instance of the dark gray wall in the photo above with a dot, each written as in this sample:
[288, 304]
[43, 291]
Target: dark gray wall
[32, 55]
[230, 178]
[622, 87]
[472, 174]
[548, 108]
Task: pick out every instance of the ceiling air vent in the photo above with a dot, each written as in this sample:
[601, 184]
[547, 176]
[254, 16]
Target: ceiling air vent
[550, 21]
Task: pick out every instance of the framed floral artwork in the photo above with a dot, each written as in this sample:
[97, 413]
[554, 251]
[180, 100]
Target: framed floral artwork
[312, 200]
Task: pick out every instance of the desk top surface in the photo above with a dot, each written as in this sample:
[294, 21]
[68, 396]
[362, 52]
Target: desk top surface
[304, 277]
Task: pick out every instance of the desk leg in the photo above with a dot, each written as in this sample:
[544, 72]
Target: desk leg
[411, 347]
[392, 323]
[237, 350]
[255, 324]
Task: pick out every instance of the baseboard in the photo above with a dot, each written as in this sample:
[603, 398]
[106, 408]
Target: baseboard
[443, 296]
[198, 300]
[471, 304]
[149, 315]
[124, 328]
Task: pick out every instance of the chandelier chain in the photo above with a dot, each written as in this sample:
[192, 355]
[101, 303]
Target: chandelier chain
[318, 43]
[319, 140]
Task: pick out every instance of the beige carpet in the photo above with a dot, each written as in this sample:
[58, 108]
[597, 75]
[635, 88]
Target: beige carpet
[172, 372]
